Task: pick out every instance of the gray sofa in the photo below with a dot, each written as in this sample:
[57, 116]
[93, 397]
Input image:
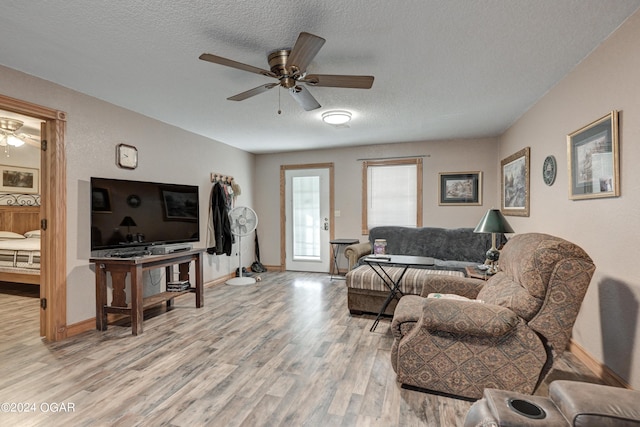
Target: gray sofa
[452, 250]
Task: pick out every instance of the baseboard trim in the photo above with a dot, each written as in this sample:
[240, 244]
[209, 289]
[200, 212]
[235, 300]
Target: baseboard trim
[599, 369]
[80, 327]
[90, 324]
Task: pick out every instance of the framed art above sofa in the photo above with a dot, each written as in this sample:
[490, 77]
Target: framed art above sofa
[460, 188]
[515, 183]
[594, 159]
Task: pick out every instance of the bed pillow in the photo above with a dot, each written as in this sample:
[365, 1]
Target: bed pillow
[32, 234]
[8, 235]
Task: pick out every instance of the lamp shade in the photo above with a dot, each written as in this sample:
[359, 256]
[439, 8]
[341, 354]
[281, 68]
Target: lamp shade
[127, 221]
[493, 222]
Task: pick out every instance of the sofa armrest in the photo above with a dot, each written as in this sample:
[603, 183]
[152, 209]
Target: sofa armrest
[354, 252]
[461, 317]
[594, 404]
[443, 284]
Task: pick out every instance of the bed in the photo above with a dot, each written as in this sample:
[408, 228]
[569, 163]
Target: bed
[20, 244]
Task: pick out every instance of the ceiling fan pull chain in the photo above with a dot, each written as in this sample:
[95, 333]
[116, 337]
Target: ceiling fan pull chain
[279, 110]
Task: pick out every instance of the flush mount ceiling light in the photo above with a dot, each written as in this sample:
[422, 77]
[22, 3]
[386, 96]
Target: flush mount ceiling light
[336, 117]
[8, 127]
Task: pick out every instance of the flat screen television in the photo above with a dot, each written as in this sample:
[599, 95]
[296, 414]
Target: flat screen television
[134, 214]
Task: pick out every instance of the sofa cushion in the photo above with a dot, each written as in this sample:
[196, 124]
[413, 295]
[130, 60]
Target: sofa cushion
[586, 404]
[455, 244]
[504, 291]
[364, 277]
[533, 261]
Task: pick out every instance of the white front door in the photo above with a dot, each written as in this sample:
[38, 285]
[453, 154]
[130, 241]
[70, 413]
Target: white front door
[307, 220]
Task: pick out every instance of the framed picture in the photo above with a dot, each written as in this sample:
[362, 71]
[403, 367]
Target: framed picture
[100, 200]
[180, 206]
[515, 183]
[19, 180]
[594, 160]
[460, 188]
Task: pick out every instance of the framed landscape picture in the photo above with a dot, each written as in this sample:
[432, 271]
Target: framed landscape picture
[593, 157]
[515, 183]
[460, 188]
[15, 179]
[100, 200]
[180, 206]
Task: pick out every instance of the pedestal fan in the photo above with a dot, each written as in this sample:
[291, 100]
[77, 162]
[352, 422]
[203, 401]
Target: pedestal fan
[243, 222]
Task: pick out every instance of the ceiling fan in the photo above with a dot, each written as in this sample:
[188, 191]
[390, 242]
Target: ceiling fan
[9, 135]
[289, 66]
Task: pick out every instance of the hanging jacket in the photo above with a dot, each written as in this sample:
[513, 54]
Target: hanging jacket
[220, 222]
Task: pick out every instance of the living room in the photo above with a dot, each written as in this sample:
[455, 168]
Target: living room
[608, 327]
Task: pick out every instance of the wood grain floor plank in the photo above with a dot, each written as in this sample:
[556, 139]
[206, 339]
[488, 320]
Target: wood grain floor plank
[283, 352]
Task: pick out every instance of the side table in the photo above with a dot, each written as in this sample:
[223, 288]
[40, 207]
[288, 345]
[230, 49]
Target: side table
[335, 251]
[378, 264]
[476, 273]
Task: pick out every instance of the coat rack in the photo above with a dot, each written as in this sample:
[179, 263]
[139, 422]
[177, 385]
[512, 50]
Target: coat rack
[223, 179]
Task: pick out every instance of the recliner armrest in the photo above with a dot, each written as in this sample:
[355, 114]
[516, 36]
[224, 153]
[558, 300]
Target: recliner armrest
[444, 284]
[354, 252]
[467, 317]
[406, 315]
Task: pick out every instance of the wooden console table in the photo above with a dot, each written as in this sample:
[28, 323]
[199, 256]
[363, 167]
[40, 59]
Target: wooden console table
[120, 267]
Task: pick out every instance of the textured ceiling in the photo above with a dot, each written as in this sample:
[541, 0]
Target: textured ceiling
[443, 68]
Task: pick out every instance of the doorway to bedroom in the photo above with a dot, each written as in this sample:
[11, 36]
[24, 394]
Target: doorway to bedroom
[20, 244]
[33, 206]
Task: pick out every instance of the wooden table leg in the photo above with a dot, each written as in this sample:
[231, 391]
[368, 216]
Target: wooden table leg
[137, 312]
[199, 285]
[168, 274]
[101, 297]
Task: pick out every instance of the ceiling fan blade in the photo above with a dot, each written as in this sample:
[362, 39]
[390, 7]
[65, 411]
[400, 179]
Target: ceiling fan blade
[306, 48]
[31, 140]
[329, 80]
[234, 64]
[304, 98]
[252, 92]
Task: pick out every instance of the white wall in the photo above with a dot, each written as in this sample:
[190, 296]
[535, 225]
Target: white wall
[26, 156]
[166, 154]
[440, 156]
[608, 326]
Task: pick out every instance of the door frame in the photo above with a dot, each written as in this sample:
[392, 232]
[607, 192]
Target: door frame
[53, 212]
[283, 230]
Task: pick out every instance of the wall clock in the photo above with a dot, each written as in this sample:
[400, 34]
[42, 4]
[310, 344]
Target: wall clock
[134, 201]
[549, 170]
[127, 156]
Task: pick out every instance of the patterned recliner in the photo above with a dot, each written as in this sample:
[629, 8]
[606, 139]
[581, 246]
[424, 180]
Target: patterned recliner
[507, 336]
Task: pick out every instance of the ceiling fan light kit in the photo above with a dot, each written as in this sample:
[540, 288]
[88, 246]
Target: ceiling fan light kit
[336, 117]
[289, 66]
[8, 127]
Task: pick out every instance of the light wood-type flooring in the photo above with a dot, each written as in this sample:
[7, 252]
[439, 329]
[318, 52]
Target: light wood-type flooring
[283, 352]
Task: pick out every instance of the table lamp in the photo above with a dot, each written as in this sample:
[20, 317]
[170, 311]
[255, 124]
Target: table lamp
[493, 222]
[128, 222]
